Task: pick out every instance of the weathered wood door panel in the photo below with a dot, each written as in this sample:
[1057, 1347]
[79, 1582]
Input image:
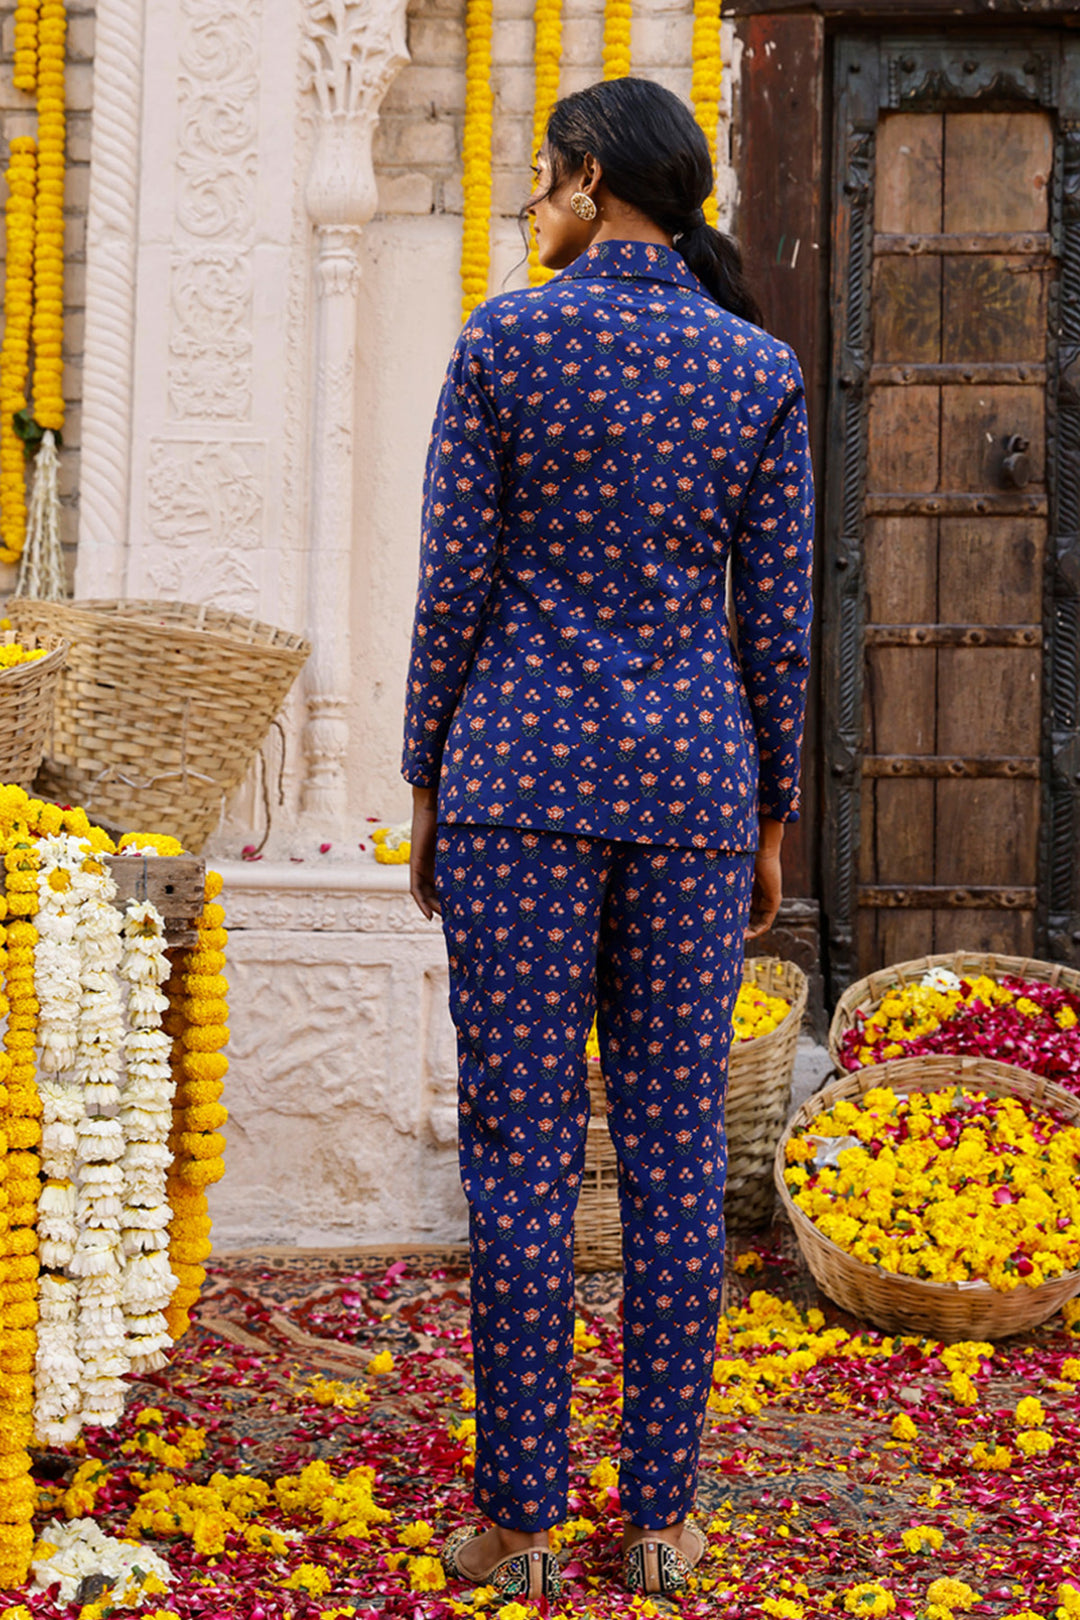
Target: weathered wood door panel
[950, 664]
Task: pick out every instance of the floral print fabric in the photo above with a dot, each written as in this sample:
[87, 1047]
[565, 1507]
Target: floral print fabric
[603, 445]
[541, 930]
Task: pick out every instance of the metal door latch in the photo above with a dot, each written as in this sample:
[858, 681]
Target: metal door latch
[1016, 467]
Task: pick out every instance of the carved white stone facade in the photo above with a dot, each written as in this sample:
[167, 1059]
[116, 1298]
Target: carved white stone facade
[342, 1080]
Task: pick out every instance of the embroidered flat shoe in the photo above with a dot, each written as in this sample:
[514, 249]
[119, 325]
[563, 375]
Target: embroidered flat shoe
[654, 1567]
[532, 1573]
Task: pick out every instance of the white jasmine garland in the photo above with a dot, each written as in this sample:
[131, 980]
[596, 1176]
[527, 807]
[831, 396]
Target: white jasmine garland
[146, 1117]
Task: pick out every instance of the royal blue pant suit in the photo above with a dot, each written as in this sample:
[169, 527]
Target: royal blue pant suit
[604, 445]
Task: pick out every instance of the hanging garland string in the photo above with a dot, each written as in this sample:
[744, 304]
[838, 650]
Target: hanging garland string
[26, 45]
[49, 233]
[196, 990]
[19, 1167]
[616, 38]
[476, 157]
[34, 301]
[705, 85]
[15, 354]
[547, 55]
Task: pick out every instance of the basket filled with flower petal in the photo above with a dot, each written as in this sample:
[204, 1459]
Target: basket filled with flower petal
[1012, 1009]
[938, 1195]
[30, 668]
[767, 1019]
[161, 708]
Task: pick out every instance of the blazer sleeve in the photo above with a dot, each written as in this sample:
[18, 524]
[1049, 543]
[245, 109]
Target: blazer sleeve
[772, 579]
[460, 533]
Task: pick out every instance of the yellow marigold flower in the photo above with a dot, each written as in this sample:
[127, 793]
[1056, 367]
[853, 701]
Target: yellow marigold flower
[426, 1574]
[1032, 1442]
[783, 1608]
[1070, 1369]
[1000, 1457]
[605, 1476]
[1029, 1413]
[417, 1534]
[869, 1598]
[963, 1389]
[382, 1363]
[311, 1578]
[1068, 1597]
[921, 1538]
[951, 1594]
[903, 1428]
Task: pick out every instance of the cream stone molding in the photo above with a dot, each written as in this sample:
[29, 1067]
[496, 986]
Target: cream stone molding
[353, 49]
[111, 245]
[304, 897]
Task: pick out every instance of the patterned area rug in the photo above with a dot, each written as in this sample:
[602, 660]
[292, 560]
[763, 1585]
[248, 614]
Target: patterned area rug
[849, 1485]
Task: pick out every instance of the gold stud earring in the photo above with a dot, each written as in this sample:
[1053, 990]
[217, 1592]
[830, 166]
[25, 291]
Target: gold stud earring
[583, 206]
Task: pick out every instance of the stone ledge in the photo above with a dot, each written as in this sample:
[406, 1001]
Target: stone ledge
[289, 897]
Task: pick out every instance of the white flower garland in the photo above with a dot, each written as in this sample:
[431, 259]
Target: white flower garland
[57, 1366]
[82, 1548]
[146, 1117]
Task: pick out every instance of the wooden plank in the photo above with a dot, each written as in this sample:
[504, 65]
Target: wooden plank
[903, 434]
[941, 897]
[954, 503]
[782, 225]
[989, 701]
[901, 689]
[945, 765]
[993, 309]
[992, 933]
[175, 884]
[900, 569]
[954, 635]
[895, 375]
[975, 423]
[1037, 243]
[987, 833]
[991, 570]
[907, 313]
[997, 171]
[908, 193]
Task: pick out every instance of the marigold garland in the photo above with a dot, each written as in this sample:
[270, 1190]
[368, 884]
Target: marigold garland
[49, 232]
[20, 1134]
[476, 156]
[705, 86]
[616, 50]
[196, 990]
[15, 353]
[547, 55]
[24, 76]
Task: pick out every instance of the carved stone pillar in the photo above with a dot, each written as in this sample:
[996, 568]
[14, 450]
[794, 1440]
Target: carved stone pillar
[354, 49]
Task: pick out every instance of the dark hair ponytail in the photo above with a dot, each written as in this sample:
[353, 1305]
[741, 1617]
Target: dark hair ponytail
[655, 158]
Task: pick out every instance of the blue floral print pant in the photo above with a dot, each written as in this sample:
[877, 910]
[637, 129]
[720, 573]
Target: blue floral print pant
[540, 930]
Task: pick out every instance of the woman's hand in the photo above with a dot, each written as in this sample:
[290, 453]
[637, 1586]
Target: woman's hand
[768, 878]
[422, 851]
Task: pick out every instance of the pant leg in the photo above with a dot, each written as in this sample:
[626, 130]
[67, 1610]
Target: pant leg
[521, 915]
[670, 962]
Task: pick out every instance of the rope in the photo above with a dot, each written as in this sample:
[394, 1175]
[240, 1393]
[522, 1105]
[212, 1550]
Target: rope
[41, 570]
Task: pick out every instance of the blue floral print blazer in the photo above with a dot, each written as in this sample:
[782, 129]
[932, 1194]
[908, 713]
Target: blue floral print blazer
[602, 444]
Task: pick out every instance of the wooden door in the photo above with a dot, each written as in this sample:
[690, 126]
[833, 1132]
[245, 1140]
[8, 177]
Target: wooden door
[941, 604]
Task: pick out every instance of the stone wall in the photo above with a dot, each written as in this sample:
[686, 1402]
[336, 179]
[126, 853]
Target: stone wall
[19, 119]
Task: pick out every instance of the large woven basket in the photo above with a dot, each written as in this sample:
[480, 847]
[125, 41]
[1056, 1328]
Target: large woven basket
[758, 1096]
[161, 709]
[945, 1311]
[866, 995]
[27, 703]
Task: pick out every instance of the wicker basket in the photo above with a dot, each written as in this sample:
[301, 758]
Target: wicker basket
[758, 1095]
[945, 1311]
[27, 703]
[866, 995]
[161, 709]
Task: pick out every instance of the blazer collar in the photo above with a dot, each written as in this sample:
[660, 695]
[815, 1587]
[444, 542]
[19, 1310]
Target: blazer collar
[647, 261]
